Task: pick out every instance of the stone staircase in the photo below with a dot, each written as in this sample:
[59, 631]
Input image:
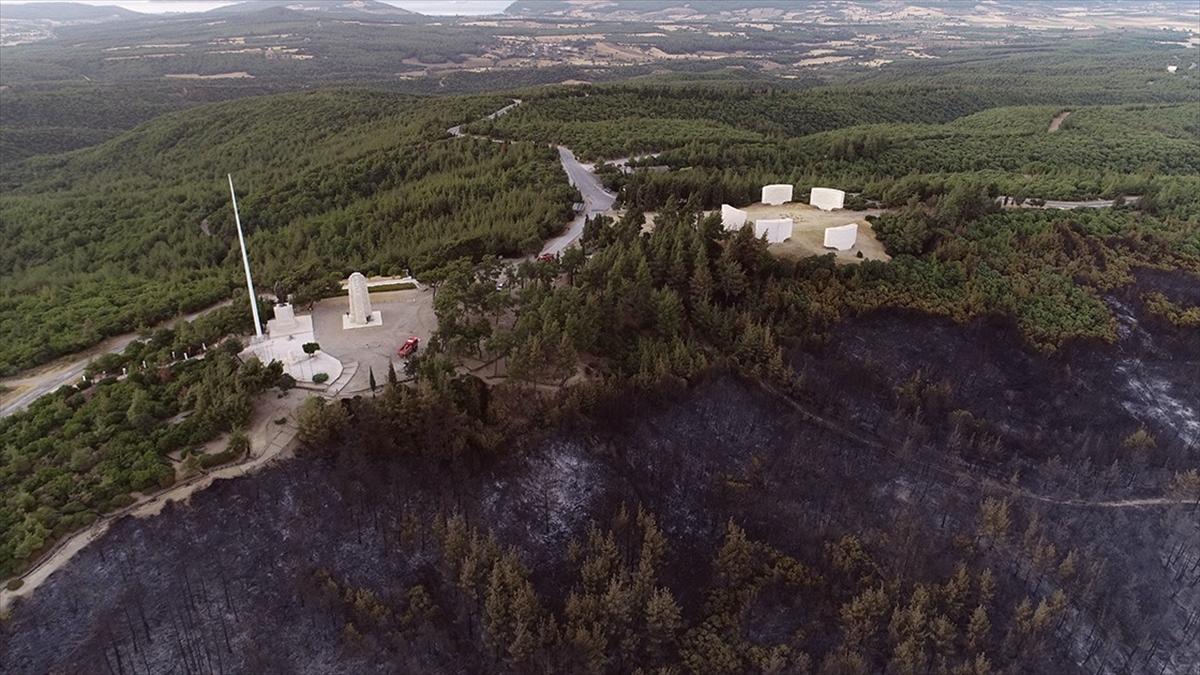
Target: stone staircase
[348, 371]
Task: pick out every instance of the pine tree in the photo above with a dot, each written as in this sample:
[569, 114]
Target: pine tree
[978, 630]
[862, 617]
[371, 379]
[994, 520]
[954, 592]
[987, 586]
[1066, 568]
[496, 620]
[392, 380]
[1022, 626]
[1048, 611]
[909, 657]
[844, 662]
[943, 636]
[663, 620]
[734, 560]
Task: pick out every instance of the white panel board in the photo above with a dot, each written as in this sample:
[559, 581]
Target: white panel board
[777, 230]
[776, 194]
[826, 199]
[842, 237]
[731, 218]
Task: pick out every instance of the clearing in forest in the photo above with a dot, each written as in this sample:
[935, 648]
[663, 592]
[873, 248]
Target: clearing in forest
[808, 233]
[1058, 120]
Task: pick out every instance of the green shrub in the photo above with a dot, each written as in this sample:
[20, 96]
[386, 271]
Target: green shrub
[239, 443]
[321, 378]
[216, 459]
[285, 382]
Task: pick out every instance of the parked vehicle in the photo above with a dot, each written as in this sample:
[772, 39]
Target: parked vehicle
[409, 347]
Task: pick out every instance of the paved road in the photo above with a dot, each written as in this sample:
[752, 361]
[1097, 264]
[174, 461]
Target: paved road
[30, 386]
[595, 198]
[457, 130]
[1067, 205]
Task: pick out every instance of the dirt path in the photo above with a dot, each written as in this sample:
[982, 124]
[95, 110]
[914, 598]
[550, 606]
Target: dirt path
[1058, 120]
[268, 441]
[958, 474]
[1101, 504]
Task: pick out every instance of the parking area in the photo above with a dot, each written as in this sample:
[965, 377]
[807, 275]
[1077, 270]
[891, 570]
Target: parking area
[405, 313]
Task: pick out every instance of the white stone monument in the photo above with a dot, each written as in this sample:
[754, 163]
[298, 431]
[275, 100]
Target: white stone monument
[826, 199]
[360, 315]
[287, 323]
[731, 218]
[777, 230]
[776, 194]
[842, 237]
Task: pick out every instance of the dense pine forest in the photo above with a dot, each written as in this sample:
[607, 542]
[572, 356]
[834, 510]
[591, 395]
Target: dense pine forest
[140, 228]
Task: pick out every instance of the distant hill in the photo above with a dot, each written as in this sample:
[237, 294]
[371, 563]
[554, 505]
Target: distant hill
[655, 9]
[67, 11]
[331, 8]
[1178, 14]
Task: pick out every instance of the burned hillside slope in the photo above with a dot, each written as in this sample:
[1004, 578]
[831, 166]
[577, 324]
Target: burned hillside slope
[982, 392]
[787, 539]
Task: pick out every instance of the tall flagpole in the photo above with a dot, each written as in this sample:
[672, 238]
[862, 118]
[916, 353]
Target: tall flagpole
[245, 261]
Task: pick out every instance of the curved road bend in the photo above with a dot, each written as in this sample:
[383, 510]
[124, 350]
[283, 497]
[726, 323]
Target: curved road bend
[595, 198]
[42, 380]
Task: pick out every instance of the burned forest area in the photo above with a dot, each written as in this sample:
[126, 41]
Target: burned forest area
[988, 492]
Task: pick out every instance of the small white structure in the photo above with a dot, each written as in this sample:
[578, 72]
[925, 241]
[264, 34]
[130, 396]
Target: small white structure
[284, 342]
[841, 237]
[360, 314]
[777, 230]
[775, 195]
[826, 199]
[287, 323]
[1171, 69]
[731, 218]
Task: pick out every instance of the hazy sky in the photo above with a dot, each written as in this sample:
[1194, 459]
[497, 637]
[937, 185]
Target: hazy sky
[423, 6]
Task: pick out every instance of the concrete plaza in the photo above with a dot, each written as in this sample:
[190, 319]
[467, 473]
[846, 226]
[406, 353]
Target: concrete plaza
[406, 314]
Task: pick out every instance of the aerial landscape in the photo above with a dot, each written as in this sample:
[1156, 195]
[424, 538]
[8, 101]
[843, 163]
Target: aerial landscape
[600, 336]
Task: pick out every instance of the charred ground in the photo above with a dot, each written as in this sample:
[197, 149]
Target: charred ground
[870, 479]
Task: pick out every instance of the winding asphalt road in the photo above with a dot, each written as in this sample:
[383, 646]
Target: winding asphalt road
[30, 386]
[596, 199]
